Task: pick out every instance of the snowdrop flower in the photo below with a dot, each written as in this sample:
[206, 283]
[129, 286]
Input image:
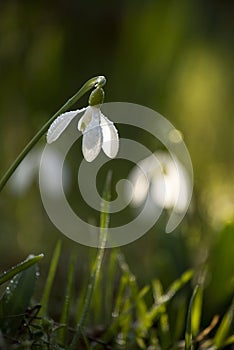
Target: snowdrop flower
[98, 131]
[27, 172]
[164, 178]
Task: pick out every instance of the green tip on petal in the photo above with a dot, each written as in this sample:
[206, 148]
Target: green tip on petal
[96, 97]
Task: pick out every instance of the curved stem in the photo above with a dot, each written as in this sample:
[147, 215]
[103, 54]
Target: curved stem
[93, 82]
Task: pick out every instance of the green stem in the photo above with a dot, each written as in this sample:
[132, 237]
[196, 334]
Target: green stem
[94, 82]
[104, 223]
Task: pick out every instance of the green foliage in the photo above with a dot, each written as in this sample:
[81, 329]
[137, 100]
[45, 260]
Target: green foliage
[67, 301]
[138, 318]
[31, 260]
[191, 315]
[220, 338]
[17, 295]
[16, 299]
[126, 316]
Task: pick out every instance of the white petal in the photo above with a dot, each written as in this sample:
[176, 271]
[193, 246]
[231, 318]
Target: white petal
[92, 138]
[50, 166]
[60, 124]
[169, 187]
[139, 186]
[25, 173]
[110, 135]
[85, 119]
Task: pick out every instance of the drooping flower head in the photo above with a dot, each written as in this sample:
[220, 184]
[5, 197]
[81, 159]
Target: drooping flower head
[164, 178]
[98, 131]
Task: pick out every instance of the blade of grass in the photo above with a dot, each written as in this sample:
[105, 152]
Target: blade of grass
[31, 260]
[229, 340]
[141, 310]
[188, 332]
[157, 308]
[86, 342]
[125, 292]
[96, 311]
[16, 299]
[163, 318]
[179, 313]
[67, 301]
[133, 310]
[197, 311]
[177, 285]
[224, 328]
[109, 283]
[49, 281]
[132, 297]
[80, 301]
[125, 324]
[120, 295]
[104, 223]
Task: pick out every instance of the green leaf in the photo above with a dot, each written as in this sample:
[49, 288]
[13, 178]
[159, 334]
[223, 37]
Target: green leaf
[110, 283]
[224, 328]
[197, 311]
[67, 302]
[120, 295]
[229, 340]
[188, 332]
[50, 279]
[178, 284]
[16, 299]
[125, 323]
[158, 307]
[164, 328]
[31, 260]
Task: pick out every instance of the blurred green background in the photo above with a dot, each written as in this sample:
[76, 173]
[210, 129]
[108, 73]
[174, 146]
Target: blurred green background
[175, 57]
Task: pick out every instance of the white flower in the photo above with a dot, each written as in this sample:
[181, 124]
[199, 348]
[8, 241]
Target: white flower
[28, 169]
[98, 132]
[164, 178]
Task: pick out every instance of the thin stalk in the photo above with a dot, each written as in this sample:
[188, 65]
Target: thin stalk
[188, 332]
[62, 333]
[104, 223]
[96, 81]
[49, 281]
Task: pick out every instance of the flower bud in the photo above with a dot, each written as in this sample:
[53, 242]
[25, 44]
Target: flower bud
[96, 97]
